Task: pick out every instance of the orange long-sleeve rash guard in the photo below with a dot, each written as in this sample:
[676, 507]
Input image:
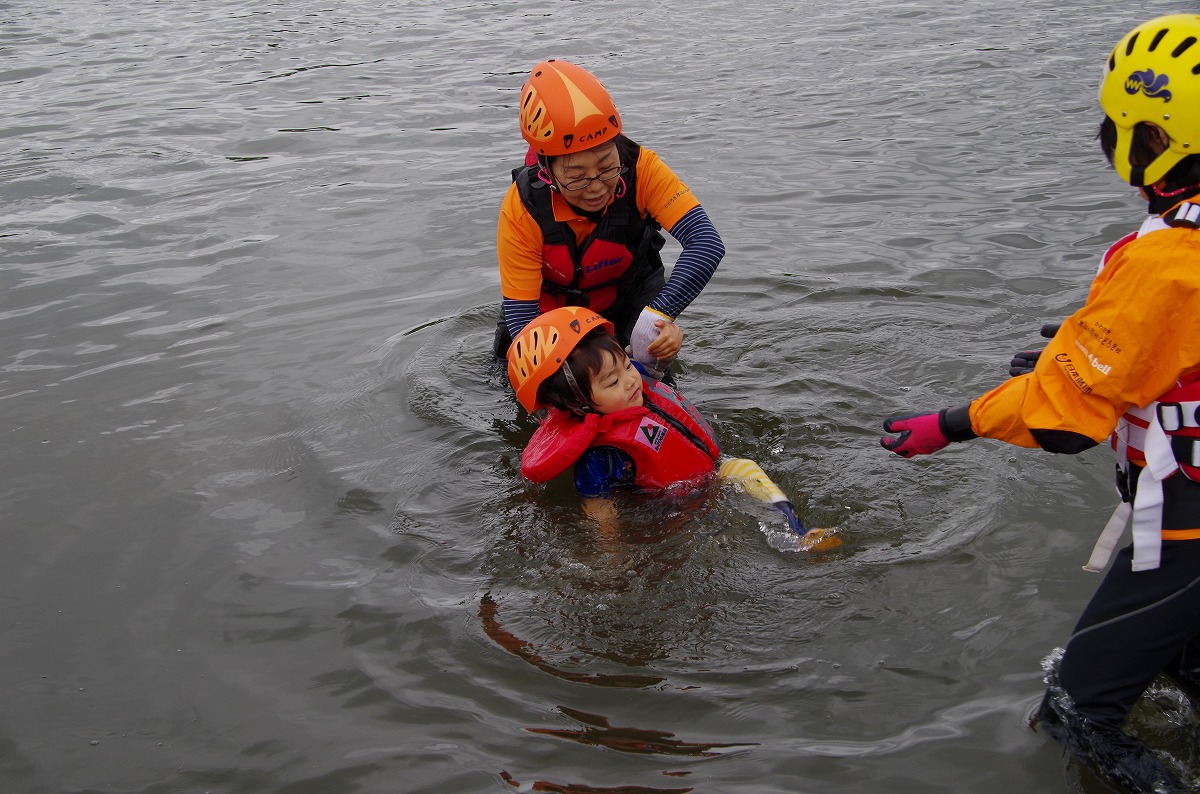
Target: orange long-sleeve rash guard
[1133, 338]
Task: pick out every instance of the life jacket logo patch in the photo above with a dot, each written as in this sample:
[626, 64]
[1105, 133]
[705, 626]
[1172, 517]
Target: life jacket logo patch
[651, 434]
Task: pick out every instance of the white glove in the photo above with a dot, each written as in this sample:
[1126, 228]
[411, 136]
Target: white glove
[645, 332]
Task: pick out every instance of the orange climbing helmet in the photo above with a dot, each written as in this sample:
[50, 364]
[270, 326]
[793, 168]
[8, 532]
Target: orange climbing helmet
[564, 108]
[542, 347]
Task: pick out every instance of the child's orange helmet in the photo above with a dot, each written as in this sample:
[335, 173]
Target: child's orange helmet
[542, 346]
[564, 108]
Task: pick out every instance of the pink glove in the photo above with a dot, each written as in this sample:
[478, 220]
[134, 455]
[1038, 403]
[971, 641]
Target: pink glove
[924, 434]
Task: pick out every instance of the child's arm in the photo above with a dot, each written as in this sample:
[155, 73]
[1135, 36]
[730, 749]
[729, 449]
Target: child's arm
[755, 481]
[597, 473]
[604, 513]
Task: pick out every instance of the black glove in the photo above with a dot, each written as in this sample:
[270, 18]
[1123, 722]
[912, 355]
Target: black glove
[1025, 360]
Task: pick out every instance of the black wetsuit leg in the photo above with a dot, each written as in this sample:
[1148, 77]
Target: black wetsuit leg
[1135, 626]
[1184, 670]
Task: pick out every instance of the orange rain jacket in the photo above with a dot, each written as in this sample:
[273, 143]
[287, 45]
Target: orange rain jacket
[1136, 335]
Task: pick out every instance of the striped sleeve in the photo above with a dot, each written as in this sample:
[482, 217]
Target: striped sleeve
[702, 252]
[518, 314]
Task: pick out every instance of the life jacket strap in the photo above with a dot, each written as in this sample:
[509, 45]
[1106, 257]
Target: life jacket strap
[1186, 215]
[1178, 415]
[1106, 544]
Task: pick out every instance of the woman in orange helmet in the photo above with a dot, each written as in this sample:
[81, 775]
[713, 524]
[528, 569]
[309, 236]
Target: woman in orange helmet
[580, 223]
[1124, 367]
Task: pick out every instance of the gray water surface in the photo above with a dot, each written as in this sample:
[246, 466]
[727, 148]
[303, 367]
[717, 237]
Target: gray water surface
[259, 495]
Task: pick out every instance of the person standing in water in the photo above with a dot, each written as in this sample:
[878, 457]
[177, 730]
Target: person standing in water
[580, 223]
[1125, 367]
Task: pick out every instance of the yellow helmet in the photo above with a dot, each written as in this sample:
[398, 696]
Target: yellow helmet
[542, 347]
[565, 108]
[1153, 76]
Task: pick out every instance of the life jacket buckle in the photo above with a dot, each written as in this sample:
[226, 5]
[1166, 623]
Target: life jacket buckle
[1186, 215]
[1170, 416]
[1123, 484]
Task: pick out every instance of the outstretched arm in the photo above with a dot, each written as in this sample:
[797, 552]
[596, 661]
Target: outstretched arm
[750, 476]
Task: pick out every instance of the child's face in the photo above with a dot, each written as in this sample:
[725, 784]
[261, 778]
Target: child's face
[616, 385]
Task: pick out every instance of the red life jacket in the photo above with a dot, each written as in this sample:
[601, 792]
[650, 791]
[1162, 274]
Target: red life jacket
[1178, 412]
[621, 249]
[667, 438]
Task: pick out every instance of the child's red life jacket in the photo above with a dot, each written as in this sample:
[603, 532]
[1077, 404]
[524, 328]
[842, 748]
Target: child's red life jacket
[667, 438]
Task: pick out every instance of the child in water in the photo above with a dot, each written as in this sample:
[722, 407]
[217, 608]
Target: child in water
[619, 427]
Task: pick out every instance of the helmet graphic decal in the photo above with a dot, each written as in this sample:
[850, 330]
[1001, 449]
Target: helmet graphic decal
[583, 106]
[1151, 84]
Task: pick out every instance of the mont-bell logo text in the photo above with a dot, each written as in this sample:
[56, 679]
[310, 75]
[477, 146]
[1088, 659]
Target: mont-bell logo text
[1146, 82]
[651, 433]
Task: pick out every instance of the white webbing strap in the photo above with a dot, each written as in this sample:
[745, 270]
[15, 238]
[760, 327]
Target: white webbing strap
[1105, 544]
[1147, 521]
[1147, 507]
[1148, 503]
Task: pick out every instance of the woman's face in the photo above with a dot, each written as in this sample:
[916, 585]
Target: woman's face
[589, 164]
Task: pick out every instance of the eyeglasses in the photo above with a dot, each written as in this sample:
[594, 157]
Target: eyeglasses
[606, 175]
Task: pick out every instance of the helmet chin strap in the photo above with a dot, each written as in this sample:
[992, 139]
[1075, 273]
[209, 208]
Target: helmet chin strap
[584, 407]
[1173, 193]
[544, 173]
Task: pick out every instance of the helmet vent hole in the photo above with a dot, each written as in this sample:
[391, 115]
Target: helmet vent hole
[1132, 43]
[1183, 46]
[1157, 38]
[1196, 69]
[1112, 62]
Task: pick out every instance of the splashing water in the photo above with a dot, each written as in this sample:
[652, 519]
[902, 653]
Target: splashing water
[1118, 757]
